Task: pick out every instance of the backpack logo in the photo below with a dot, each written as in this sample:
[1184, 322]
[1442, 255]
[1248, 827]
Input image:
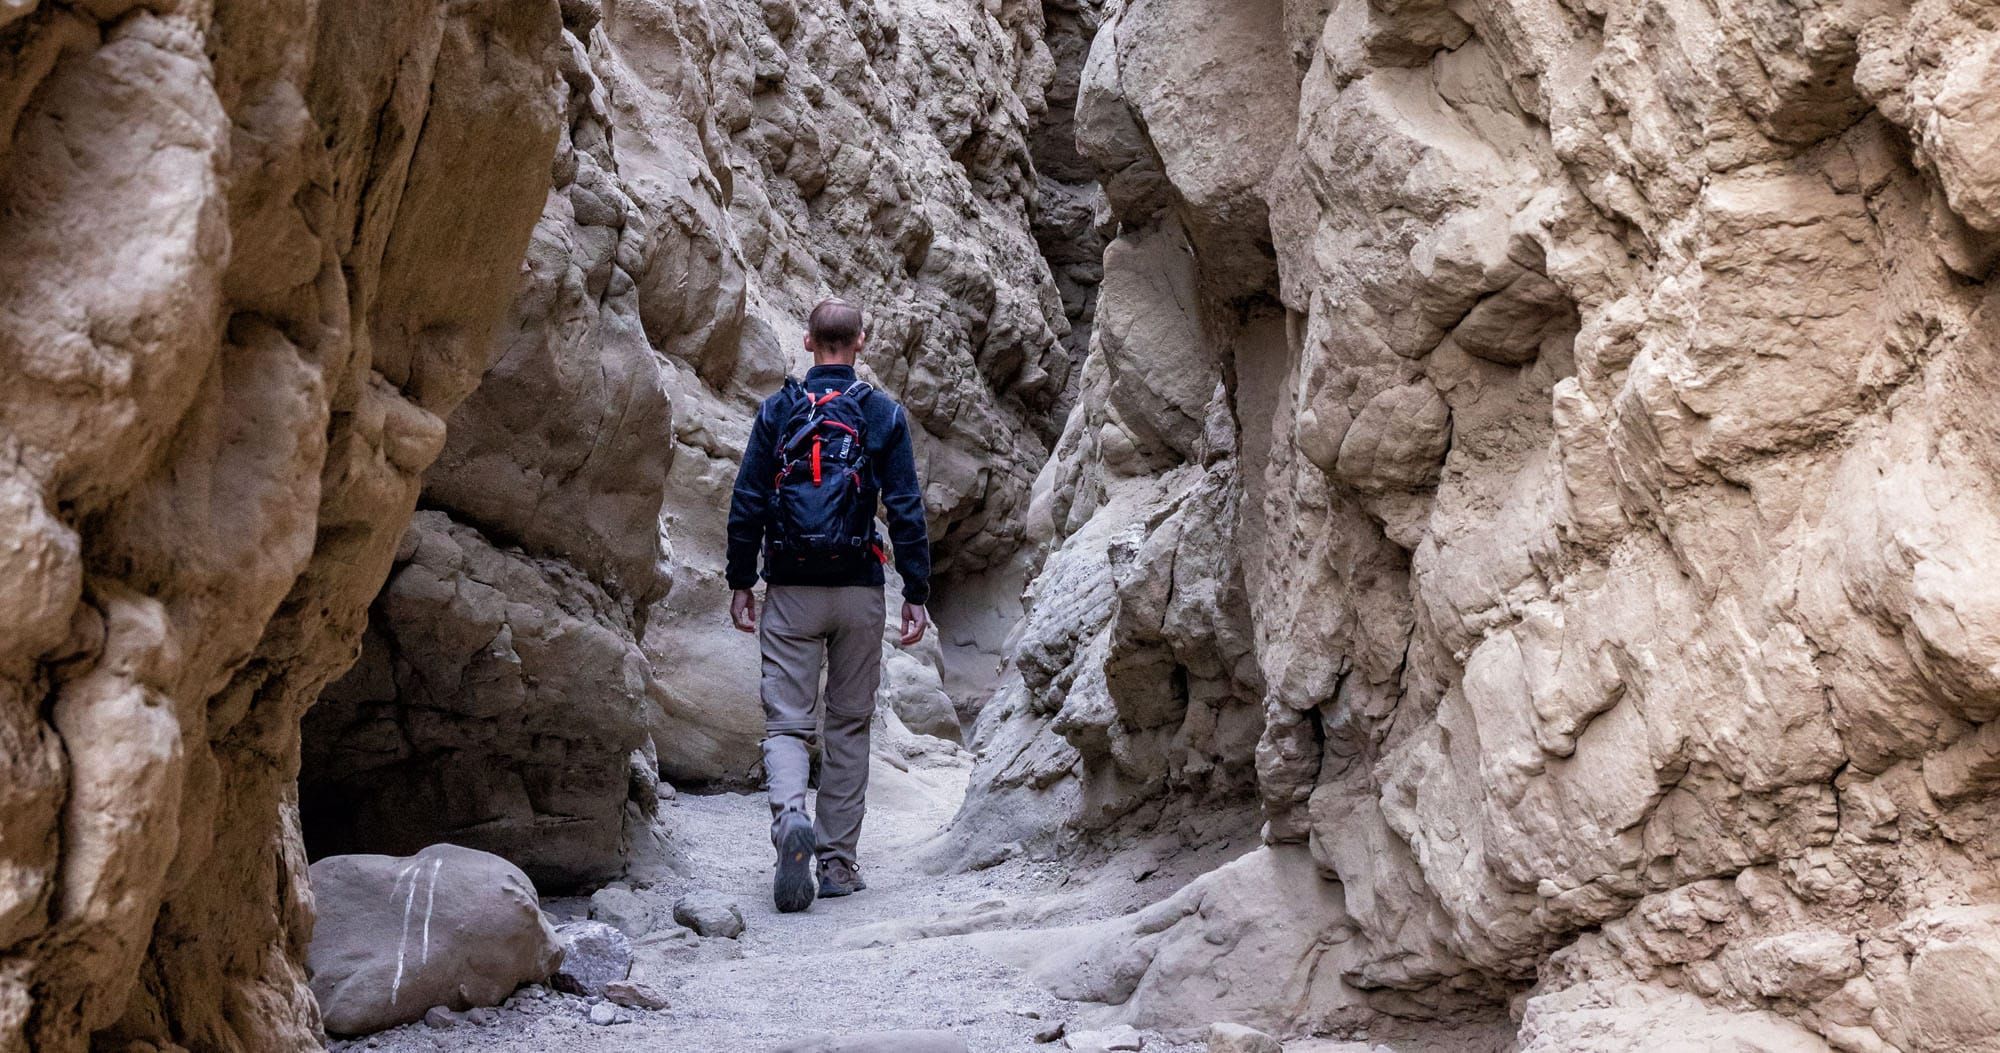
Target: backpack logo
[823, 515]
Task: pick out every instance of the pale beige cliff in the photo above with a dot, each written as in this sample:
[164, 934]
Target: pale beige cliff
[1580, 413]
[1529, 468]
[251, 257]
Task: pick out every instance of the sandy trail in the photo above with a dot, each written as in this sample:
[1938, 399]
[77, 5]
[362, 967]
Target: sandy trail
[860, 963]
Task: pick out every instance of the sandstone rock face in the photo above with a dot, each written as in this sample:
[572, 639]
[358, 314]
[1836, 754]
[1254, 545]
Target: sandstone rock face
[494, 706]
[395, 937]
[1556, 438]
[253, 256]
[723, 165]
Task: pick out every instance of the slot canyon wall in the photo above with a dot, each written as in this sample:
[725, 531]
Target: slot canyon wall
[1543, 449]
[554, 635]
[1527, 465]
[251, 256]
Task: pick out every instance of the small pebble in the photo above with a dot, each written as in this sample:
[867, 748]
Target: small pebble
[635, 995]
[482, 1016]
[604, 1013]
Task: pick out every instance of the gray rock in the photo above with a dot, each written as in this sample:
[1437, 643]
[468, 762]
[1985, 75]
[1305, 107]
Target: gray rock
[1109, 1040]
[448, 927]
[594, 954]
[635, 995]
[482, 1016]
[440, 1017]
[622, 909]
[879, 1042]
[603, 1014]
[709, 913]
[1236, 1038]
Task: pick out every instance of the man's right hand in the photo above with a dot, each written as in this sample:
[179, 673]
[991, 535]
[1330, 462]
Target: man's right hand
[743, 610]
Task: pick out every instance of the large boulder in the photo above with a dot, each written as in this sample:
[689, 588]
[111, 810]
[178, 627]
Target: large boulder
[448, 926]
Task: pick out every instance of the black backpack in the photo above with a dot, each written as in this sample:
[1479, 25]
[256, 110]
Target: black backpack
[823, 514]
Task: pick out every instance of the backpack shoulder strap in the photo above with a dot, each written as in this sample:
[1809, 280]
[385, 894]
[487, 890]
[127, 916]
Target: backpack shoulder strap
[790, 398]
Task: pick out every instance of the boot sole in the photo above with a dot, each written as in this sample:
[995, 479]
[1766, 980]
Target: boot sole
[792, 890]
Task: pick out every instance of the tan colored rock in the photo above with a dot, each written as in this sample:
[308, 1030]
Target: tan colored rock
[1237, 1038]
[1216, 949]
[492, 707]
[1605, 506]
[396, 937]
[253, 256]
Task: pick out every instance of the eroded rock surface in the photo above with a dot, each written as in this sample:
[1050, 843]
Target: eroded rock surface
[1529, 465]
[252, 256]
[1556, 438]
[723, 166]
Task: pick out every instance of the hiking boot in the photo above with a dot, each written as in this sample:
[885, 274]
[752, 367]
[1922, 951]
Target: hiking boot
[792, 889]
[838, 877]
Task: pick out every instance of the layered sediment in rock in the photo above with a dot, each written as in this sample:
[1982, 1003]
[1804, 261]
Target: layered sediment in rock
[1579, 415]
[253, 255]
[1533, 461]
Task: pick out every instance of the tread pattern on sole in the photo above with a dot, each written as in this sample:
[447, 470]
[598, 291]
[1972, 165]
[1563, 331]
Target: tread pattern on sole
[793, 887]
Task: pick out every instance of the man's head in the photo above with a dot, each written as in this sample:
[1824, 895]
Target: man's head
[835, 333]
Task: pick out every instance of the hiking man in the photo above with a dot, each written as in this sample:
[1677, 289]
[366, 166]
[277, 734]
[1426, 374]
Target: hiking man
[822, 453]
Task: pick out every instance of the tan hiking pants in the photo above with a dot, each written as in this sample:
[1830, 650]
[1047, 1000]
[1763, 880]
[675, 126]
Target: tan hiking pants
[807, 628]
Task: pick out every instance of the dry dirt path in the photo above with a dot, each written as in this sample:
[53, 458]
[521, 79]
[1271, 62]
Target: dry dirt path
[848, 965]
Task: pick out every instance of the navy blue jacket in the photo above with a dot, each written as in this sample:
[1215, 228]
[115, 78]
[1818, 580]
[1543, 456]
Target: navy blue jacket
[895, 466]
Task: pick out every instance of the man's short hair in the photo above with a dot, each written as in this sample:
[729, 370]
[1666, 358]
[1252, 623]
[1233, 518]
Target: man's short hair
[834, 323]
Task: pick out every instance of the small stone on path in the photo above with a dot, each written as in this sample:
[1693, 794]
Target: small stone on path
[622, 909]
[594, 954]
[1109, 1040]
[604, 1013]
[635, 995]
[1236, 1038]
[441, 1017]
[709, 913]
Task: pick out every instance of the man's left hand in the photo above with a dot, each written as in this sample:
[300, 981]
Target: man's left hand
[915, 621]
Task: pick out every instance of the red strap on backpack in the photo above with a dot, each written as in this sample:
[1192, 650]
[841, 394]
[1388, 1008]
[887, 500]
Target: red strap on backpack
[815, 460]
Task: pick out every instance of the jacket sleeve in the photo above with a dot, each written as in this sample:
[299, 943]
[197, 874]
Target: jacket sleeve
[750, 502]
[903, 498]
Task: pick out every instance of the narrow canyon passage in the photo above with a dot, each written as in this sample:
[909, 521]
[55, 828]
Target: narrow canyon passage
[918, 950]
[1459, 524]
[895, 957]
